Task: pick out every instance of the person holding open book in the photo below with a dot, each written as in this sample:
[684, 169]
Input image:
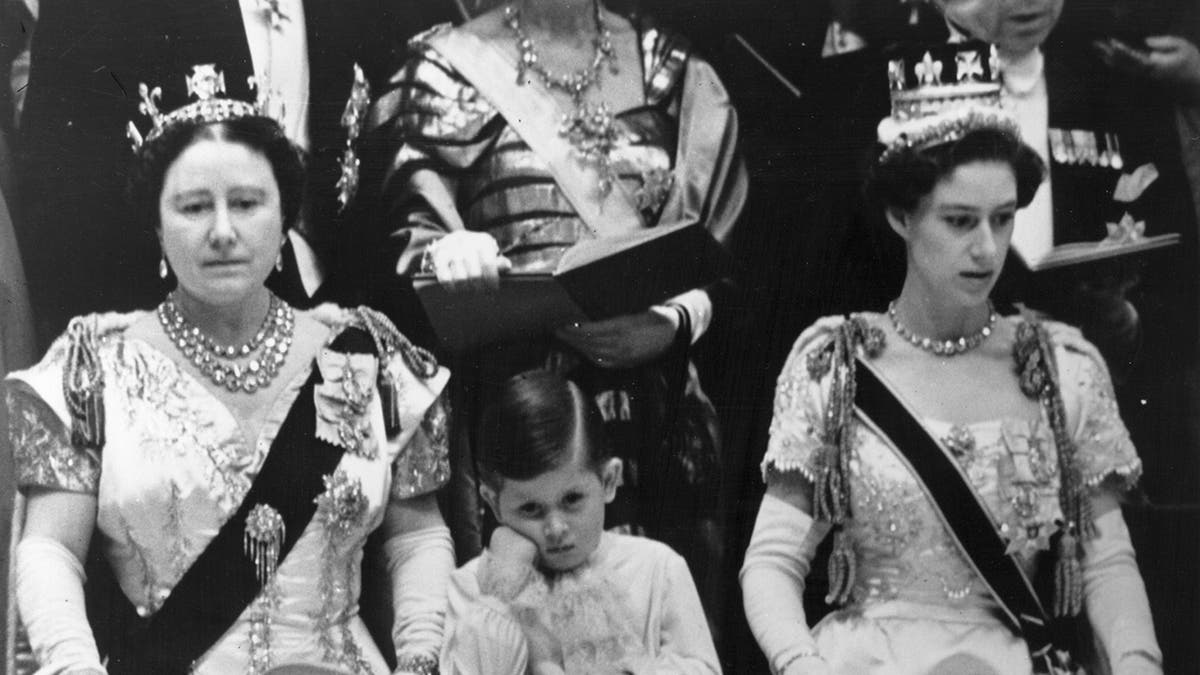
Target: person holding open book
[532, 127]
[956, 457]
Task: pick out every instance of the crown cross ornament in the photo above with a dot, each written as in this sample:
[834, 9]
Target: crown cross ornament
[207, 85]
[970, 68]
[205, 82]
[896, 78]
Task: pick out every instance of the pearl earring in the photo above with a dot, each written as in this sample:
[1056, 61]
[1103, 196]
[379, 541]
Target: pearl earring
[163, 270]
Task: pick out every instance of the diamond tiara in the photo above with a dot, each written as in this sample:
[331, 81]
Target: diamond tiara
[206, 83]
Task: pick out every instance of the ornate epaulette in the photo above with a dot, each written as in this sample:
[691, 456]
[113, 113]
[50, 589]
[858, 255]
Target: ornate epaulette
[831, 489]
[83, 383]
[388, 342]
[1037, 370]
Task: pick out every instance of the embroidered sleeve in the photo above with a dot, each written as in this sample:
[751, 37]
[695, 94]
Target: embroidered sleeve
[424, 464]
[800, 396]
[42, 450]
[1104, 448]
[430, 126]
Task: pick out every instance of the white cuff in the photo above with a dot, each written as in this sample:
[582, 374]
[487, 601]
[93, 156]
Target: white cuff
[50, 597]
[698, 306]
[420, 564]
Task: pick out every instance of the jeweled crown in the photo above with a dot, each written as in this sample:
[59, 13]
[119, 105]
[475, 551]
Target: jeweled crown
[207, 85]
[940, 96]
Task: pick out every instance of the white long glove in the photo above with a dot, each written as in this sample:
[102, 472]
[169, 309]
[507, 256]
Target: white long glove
[1115, 599]
[777, 560]
[50, 597]
[420, 563]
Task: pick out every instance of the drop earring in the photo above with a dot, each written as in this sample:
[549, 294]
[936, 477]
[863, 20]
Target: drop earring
[163, 270]
[279, 261]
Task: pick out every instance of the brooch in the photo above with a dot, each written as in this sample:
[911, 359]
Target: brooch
[343, 401]
[263, 540]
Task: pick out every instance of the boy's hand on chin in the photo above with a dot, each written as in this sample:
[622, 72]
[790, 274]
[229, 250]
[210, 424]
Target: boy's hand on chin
[510, 546]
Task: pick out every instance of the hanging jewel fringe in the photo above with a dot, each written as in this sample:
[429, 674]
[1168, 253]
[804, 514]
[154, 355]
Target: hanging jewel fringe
[1068, 586]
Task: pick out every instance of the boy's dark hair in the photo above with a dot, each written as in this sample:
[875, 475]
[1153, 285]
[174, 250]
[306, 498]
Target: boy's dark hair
[901, 181]
[530, 425]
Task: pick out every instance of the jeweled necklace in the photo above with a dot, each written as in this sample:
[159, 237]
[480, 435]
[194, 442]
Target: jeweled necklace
[944, 347]
[265, 351]
[589, 128]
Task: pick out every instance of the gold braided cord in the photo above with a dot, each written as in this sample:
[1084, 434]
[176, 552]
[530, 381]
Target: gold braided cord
[83, 384]
[831, 491]
[1038, 369]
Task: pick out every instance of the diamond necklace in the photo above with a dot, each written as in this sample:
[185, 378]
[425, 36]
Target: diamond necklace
[266, 351]
[590, 129]
[944, 347]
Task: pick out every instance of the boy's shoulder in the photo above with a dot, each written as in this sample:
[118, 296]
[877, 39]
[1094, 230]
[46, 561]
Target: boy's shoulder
[624, 551]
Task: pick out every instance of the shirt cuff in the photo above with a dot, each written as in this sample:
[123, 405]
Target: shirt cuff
[698, 306]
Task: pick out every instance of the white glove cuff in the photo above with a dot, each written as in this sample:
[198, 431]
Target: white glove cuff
[50, 597]
[777, 560]
[420, 564]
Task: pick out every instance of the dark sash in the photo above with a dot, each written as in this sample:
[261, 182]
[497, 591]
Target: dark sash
[963, 513]
[221, 582]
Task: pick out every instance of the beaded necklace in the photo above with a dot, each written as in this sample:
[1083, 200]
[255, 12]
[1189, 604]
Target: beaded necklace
[944, 347]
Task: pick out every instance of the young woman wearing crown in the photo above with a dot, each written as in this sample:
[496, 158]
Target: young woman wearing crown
[224, 457]
[953, 454]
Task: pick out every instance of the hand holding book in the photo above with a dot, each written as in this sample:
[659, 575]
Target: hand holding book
[466, 261]
[596, 280]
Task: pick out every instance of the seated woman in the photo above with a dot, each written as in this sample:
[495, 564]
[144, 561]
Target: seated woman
[486, 176]
[949, 450]
[554, 592]
[229, 454]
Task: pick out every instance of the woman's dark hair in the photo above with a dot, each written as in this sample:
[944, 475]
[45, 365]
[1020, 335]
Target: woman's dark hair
[261, 134]
[530, 425]
[904, 178]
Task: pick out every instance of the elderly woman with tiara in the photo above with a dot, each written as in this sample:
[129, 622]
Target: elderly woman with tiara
[223, 457]
[958, 458]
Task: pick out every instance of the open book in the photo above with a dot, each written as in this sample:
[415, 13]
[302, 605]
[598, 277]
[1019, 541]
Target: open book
[595, 279]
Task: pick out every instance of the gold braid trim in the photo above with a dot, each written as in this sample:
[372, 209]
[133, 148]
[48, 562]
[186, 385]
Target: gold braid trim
[1038, 374]
[831, 489]
[389, 340]
[83, 383]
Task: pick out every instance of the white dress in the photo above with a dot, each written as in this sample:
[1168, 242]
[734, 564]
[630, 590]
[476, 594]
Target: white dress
[175, 466]
[915, 600]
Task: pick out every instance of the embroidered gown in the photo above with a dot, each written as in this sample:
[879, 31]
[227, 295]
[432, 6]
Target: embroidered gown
[453, 162]
[912, 586]
[175, 466]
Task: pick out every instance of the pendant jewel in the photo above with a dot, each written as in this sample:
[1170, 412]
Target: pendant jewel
[263, 540]
[590, 129]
